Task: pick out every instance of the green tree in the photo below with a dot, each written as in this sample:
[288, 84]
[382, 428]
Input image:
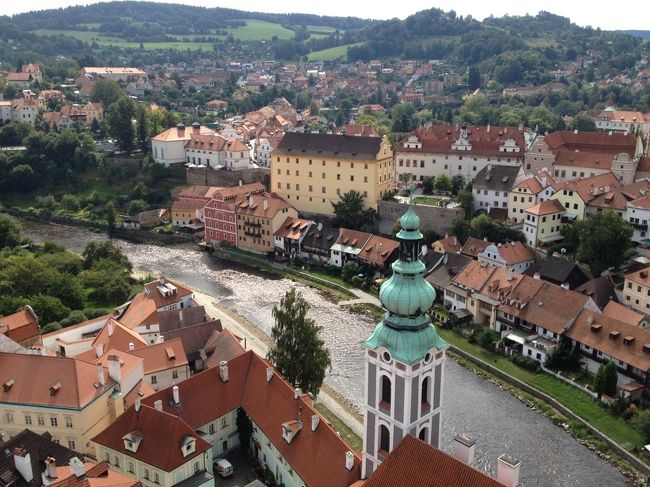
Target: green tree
[599, 381]
[604, 240]
[143, 128]
[350, 211]
[611, 378]
[642, 423]
[48, 308]
[137, 206]
[244, 428]
[442, 183]
[298, 352]
[69, 290]
[111, 217]
[466, 200]
[120, 123]
[473, 78]
[23, 177]
[482, 226]
[460, 228]
[9, 231]
[106, 91]
[107, 250]
[583, 123]
[427, 185]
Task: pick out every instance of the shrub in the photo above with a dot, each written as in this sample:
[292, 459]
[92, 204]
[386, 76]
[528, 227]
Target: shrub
[73, 318]
[525, 362]
[50, 327]
[96, 312]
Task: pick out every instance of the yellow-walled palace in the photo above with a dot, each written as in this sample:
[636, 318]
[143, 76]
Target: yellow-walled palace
[312, 171]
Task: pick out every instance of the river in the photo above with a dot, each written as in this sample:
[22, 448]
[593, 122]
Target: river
[500, 422]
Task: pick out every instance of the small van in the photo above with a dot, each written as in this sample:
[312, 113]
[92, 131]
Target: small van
[223, 467]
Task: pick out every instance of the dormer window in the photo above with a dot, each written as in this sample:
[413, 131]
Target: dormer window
[132, 440]
[188, 445]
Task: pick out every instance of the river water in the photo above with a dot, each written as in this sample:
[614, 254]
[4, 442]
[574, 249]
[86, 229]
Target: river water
[499, 422]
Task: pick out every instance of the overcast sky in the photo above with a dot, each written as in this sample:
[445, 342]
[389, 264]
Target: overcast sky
[630, 14]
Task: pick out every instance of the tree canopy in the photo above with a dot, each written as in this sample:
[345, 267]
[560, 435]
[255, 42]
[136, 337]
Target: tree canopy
[298, 351]
[350, 212]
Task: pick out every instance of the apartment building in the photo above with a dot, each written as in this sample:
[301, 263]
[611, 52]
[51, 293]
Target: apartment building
[636, 290]
[452, 150]
[492, 186]
[259, 217]
[529, 192]
[543, 222]
[622, 121]
[312, 171]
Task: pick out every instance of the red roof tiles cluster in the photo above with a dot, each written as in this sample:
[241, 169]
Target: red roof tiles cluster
[21, 325]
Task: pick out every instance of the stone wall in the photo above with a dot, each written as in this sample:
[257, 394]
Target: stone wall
[210, 177]
[432, 217]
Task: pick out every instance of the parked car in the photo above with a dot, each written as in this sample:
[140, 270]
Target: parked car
[223, 467]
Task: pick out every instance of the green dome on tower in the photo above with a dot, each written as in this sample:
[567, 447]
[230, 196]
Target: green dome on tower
[406, 330]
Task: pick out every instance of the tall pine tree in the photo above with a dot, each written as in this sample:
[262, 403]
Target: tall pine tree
[298, 352]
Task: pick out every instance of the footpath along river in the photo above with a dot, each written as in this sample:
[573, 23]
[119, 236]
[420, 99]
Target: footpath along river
[499, 422]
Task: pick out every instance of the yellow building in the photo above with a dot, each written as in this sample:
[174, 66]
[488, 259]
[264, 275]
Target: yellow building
[636, 290]
[312, 171]
[543, 222]
[574, 195]
[70, 399]
[528, 193]
[259, 216]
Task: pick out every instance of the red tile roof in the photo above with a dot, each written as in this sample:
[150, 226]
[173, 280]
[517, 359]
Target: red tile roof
[151, 290]
[546, 208]
[473, 246]
[162, 356]
[20, 326]
[114, 334]
[415, 463]
[34, 375]
[378, 250]
[589, 188]
[623, 313]
[293, 228]
[99, 475]
[516, 253]
[602, 142]
[594, 160]
[157, 428]
[318, 457]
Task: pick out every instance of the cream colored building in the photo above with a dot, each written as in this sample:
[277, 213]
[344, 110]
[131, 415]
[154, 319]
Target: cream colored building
[312, 171]
[636, 290]
[259, 216]
[543, 222]
[71, 399]
[528, 193]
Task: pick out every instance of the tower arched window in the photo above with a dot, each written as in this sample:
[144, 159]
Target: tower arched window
[386, 393]
[384, 439]
[424, 394]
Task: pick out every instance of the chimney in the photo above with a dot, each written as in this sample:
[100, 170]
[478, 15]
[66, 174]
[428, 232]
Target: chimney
[138, 405]
[250, 200]
[157, 405]
[241, 182]
[266, 204]
[50, 467]
[223, 371]
[131, 346]
[196, 127]
[77, 468]
[115, 368]
[315, 419]
[565, 285]
[101, 378]
[180, 316]
[464, 448]
[269, 374]
[181, 128]
[297, 392]
[176, 395]
[537, 276]
[110, 328]
[349, 460]
[508, 470]
[99, 350]
[23, 463]
[424, 250]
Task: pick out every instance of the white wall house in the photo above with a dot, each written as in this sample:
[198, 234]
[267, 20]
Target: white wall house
[168, 147]
[514, 256]
[637, 213]
[493, 184]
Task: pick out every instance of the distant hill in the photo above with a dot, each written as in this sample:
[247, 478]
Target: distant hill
[643, 34]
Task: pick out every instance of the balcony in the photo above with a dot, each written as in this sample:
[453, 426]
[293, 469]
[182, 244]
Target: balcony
[253, 234]
[640, 226]
[254, 225]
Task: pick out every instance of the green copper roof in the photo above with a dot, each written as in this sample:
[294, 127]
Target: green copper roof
[406, 330]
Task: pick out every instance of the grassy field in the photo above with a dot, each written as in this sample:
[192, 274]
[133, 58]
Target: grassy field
[260, 30]
[347, 434]
[102, 40]
[320, 28]
[426, 200]
[579, 402]
[331, 54]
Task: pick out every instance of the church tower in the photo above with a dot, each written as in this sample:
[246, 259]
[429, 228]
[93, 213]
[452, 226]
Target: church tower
[404, 357]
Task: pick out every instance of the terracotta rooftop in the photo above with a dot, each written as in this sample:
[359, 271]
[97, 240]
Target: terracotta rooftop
[293, 228]
[162, 356]
[21, 325]
[378, 250]
[254, 205]
[589, 188]
[234, 191]
[157, 428]
[98, 475]
[153, 293]
[209, 142]
[58, 382]
[179, 134]
[631, 345]
[223, 346]
[116, 335]
[641, 276]
[318, 457]
[515, 253]
[450, 244]
[141, 311]
[473, 246]
[187, 205]
[197, 191]
[602, 142]
[546, 207]
[594, 160]
[415, 463]
[623, 313]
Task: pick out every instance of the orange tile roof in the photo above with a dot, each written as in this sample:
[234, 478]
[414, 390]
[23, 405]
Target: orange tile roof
[643, 202]
[516, 253]
[623, 313]
[151, 290]
[618, 198]
[474, 275]
[546, 208]
[223, 346]
[209, 142]
[293, 228]
[594, 160]
[178, 133]
[473, 246]
[450, 244]
[318, 457]
[236, 145]
[197, 191]
[378, 250]
[234, 191]
[274, 205]
[99, 475]
[34, 375]
[187, 205]
[353, 238]
[592, 141]
[116, 335]
[142, 310]
[21, 325]
[162, 356]
[158, 428]
[532, 184]
[632, 353]
[589, 188]
[415, 463]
